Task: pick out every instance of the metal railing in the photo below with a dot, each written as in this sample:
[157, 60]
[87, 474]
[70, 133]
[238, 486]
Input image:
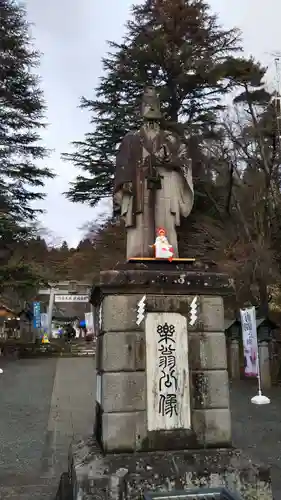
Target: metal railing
[194, 494]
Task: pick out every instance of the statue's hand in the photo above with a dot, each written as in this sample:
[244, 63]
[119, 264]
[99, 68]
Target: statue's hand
[117, 201]
[127, 188]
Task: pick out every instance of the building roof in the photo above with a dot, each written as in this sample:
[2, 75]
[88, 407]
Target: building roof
[2, 306]
[228, 323]
[259, 321]
[6, 311]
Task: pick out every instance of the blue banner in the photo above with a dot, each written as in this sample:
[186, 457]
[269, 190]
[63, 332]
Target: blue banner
[36, 314]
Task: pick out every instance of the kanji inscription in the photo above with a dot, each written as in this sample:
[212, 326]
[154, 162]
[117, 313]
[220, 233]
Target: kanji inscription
[168, 400]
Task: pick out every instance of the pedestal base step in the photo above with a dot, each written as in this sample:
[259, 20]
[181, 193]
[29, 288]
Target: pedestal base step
[123, 476]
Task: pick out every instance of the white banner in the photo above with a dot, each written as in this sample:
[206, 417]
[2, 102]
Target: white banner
[89, 320]
[71, 298]
[250, 342]
[44, 321]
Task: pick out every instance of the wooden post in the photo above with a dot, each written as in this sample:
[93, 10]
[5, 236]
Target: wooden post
[264, 365]
[234, 360]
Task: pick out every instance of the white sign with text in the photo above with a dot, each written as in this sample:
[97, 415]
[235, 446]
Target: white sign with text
[167, 373]
[71, 298]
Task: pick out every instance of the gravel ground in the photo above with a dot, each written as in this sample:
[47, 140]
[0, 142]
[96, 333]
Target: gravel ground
[25, 393]
[257, 429]
[44, 405]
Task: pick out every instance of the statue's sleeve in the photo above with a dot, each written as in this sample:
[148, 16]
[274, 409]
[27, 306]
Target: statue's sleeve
[125, 163]
[186, 163]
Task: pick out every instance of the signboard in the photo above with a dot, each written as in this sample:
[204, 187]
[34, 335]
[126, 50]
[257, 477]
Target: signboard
[36, 314]
[167, 372]
[250, 342]
[71, 298]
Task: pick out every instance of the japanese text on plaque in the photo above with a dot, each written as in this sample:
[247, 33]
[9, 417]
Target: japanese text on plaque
[168, 381]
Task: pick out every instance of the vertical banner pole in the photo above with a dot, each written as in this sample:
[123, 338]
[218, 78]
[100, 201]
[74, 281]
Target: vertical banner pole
[50, 311]
[251, 351]
[258, 372]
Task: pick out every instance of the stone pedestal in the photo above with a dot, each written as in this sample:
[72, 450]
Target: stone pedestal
[126, 394]
[162, 387]
[124, 476]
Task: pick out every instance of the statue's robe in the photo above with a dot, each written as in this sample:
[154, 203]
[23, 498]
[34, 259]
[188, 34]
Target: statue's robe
[131, 195]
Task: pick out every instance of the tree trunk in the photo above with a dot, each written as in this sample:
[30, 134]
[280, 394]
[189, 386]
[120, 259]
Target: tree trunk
[263, 293]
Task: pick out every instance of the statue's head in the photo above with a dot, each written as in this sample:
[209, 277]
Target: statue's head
[151, 105]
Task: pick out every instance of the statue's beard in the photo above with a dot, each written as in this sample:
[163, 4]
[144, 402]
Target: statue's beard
[152, 125]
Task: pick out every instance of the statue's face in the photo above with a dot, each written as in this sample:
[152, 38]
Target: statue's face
[150, 105]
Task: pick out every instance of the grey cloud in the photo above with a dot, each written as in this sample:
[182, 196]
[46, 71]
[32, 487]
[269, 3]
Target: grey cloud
[72, 36]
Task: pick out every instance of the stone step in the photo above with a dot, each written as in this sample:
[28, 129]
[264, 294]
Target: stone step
[83, 349]
[90, 353]
[48, 350]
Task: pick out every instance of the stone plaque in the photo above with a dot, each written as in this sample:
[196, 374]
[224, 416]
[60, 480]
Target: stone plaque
[168, 400]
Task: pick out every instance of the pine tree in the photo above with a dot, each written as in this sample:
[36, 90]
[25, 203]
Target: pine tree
[85, 245]
[176, 45]
[64, 247]
[16, 273]
[21, 113]
[21, 118]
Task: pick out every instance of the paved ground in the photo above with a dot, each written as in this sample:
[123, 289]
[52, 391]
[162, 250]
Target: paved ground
[257, 429]
[44, 404]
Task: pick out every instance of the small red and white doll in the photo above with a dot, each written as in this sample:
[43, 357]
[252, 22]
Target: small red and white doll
[162, 247]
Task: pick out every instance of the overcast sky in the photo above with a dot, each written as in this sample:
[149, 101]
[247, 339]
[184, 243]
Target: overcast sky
[72, 36]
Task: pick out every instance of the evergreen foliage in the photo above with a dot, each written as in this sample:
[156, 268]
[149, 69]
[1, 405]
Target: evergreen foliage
[21, 118]
[178, 46]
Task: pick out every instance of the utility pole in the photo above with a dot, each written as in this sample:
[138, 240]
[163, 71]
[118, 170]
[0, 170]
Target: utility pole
[50, 311]
[277, 58]
[276, 100]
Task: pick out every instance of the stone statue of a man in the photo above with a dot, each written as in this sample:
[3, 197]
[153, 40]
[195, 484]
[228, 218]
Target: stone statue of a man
[153, 181]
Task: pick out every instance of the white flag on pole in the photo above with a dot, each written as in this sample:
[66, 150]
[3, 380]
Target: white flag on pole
[44, 321]
[250, 341]
[89, 320]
